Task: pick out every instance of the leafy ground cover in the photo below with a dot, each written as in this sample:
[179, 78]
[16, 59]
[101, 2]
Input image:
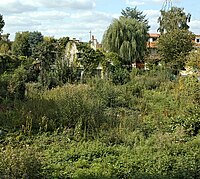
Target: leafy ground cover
[146, 128]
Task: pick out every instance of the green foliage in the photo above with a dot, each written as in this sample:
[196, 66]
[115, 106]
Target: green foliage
[20, 162]
[4, 47]
[133, 13]
[193, 60]
[174, 19]
[62, 43]
[146, 128]
[20, 46]
[13, 85]
[8, 63]
[89, 59]
[161, 156]
[34, 39]
[120, 76]
[46, 53]
[26, 42]
[174, 46]
[127, 37]
[2, 23]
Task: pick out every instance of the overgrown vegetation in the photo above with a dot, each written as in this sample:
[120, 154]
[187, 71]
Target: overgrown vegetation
[146, 128]
[131, 123]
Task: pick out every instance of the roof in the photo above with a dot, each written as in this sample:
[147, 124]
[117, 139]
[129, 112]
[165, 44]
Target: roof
[154, 35]
[152, 44]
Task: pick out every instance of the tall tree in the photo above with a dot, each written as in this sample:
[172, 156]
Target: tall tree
[133, 13]
[2, 23]
[127, 36]
[176, 40]
[34, 39]
[46, 53]
[174, 46]
[175, 18]
[25, 42]
[20, 46]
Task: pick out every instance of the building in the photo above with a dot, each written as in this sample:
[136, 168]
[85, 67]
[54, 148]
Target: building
[94, 43]
[152, 46]
[153, 41]
[197, 41]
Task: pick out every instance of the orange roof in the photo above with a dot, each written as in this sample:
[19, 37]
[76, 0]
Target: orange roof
[152, 44]
[154, 35]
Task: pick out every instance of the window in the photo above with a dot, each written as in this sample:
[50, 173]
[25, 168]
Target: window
[198, 40]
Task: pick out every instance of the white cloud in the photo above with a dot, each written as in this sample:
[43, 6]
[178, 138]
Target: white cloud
[73, 18]
[152, 16]
[15, 6]
[20, 6]
[52, 15]
[195, 26]
[134, 3]
[73, 4]
[152, 13]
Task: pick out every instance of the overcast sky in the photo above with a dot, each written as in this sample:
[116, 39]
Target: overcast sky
[76, 18]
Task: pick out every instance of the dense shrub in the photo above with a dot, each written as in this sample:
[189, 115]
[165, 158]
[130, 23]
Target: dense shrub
[20, 162]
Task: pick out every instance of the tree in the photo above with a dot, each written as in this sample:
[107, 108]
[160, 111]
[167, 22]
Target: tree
[2, 23]
[46, 53]
[133, 13]
[176, 40]
[127, 37]
[173, 19]
[34, 38]
[25, 42]
[20, 46]
[174, 46]
[89, 58]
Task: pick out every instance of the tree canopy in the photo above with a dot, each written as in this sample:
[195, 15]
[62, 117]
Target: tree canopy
[174, 46]
[2, 23]
[175, 41]
[25, 43]
[175, 18]
[135, 14]
[20, 46]
[127, 36]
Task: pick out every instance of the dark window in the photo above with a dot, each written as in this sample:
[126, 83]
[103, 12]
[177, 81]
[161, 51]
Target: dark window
[198, 40]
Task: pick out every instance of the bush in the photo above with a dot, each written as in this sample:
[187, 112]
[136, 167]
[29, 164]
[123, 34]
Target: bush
[19, 163]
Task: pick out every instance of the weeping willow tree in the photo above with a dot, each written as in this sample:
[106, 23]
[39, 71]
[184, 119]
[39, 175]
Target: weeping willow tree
[127, 37]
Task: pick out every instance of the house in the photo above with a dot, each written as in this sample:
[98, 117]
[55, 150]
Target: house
[71, 52]
[94, 43]
[153, 42]
[197, 41]
[152, 46]
[153, 55]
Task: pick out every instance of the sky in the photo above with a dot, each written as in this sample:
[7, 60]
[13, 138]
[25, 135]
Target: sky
[77, 18]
